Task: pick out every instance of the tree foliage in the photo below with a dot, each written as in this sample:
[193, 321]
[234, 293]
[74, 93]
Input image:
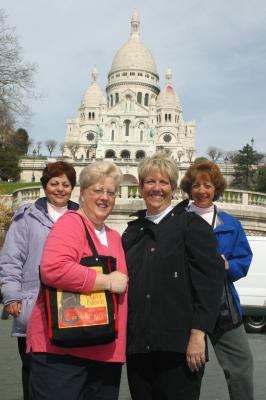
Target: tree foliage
[20, 141]
[261, 180]
[246, 161]
[9, 168]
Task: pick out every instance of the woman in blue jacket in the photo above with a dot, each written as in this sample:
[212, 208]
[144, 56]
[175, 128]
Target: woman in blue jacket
[204, 183]
[22, 250]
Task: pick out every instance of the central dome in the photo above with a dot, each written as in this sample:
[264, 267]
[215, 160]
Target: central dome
[134, 55]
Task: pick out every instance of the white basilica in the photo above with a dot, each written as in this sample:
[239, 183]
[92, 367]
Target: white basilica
[134, 118]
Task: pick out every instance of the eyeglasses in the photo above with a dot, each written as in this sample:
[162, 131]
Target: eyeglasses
[100, 191]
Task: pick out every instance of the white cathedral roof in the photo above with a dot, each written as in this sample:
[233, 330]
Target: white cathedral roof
[93, 96]
[133, 54]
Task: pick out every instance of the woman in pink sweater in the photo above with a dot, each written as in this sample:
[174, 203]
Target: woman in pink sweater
[81, 372]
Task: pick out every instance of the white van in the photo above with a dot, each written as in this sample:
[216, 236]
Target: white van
[252, 288]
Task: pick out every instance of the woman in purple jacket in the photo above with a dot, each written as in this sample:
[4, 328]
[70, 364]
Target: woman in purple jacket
[22, 250]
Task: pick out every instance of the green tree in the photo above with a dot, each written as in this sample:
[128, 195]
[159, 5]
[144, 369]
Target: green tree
[246, 161]
[261, 180]
[9, 168]
[21, 141]
[202, 158]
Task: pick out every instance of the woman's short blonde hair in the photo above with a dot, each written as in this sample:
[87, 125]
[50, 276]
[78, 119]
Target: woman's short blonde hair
[160, 161]
[207, 170]
[97, 171]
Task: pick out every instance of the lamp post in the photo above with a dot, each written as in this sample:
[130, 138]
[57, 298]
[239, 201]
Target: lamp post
[33, 167]
[226, 161]
[252, 142]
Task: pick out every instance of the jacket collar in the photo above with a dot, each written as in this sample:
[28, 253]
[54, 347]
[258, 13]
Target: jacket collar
[180, 207]
[41, 204]
[40, 210]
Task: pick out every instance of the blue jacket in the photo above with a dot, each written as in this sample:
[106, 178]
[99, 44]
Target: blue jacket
[234, 245]
[20, 259]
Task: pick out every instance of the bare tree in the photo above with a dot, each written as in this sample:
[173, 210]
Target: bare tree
[231, 155]
[16, 76]
[190, 153]
[51, 145]
[38, 148]
[62, 147]
[214, 153]
[6, 125]
[73, 148]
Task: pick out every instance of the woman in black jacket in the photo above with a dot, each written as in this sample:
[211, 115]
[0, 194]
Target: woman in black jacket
[176, 279]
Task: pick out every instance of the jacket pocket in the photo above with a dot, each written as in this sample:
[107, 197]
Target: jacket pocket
[27, 305]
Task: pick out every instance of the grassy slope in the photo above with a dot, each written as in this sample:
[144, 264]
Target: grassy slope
[9, 187]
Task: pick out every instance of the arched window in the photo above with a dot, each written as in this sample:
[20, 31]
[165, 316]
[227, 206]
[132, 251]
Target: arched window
[165, 117]
[93, 115]
[113, 135]
[112, 102]
[140, 154]
[169, 117]
[125, 154]
[146, 99]
[110, 154]
[141, 136]
[89, 115]
[139, 97]
[127, 124]
[116, 98]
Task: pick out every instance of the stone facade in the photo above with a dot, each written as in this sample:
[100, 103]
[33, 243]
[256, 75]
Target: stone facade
[134, 118]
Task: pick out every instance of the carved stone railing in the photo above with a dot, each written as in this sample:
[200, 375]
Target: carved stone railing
[26, 195]
[246, 198]
[248, 207]
[230, 196]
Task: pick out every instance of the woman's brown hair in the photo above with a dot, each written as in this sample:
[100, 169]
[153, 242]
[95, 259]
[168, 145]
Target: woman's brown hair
[205, 169]
[58, 168]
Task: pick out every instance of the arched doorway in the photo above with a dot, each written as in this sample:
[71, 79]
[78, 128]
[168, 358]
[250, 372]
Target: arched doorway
[110, 154]
[125, 154]
[140, 154]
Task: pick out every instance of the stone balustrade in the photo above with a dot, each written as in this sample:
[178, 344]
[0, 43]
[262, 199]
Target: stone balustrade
[230, 196]
[248, 207]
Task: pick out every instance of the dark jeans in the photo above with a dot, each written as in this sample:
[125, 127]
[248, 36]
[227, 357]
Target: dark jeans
[65, 377]
[162, 376]
[25, 359]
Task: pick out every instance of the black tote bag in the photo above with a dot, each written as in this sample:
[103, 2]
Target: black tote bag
[83, 319]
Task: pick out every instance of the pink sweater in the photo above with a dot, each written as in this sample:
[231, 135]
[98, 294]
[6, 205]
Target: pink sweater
[65, 246]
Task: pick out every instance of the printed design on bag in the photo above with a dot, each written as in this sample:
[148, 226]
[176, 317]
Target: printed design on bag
[82, 309]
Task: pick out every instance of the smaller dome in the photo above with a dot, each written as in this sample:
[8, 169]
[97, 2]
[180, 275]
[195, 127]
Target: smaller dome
[167, 97]
[93, 96]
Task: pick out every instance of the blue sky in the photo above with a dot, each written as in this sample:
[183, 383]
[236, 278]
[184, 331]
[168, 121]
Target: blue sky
[215, 48]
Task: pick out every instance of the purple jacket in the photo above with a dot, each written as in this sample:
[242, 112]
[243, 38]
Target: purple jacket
[20, 259]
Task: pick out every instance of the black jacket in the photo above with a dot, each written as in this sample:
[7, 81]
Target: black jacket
[175, 280]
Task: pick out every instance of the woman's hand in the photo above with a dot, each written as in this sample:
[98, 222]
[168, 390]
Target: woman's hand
[118, 282]
[115, 282]
[14, 308]
[196, 350]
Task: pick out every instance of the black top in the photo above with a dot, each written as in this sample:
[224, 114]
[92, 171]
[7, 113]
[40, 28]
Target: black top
[175, 280]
